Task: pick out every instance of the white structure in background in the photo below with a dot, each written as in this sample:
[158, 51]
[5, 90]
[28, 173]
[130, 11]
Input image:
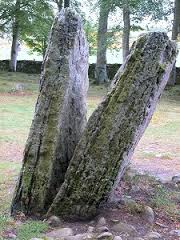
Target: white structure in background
[113, 56]
[23, 53]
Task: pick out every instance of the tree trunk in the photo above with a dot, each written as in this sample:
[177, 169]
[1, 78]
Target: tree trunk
[175, 32]
[126, 30]
[66, 3]
[59, 4]
[101, 68]
[44, 46]
[15, 39]
[176, 22]
[115, 128]
[60, 117]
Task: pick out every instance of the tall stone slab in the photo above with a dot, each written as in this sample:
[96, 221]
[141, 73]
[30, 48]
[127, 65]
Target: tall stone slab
[115, 128]
[60, 116]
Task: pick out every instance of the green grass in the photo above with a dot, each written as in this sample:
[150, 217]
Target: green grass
[166, 200]
[31, 229]
[9, 81]
[16, 116]
[25, 231]
[3, 222]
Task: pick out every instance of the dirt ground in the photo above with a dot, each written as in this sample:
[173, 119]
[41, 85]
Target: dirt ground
[158, 166]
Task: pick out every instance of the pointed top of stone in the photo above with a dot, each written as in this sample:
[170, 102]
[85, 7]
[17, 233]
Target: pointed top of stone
[69, 12]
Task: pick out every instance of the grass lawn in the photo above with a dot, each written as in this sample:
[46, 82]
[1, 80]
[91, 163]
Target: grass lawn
[157, 152]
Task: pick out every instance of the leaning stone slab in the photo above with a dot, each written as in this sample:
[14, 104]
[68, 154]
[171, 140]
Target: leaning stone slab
[115, 128]
[60, 116]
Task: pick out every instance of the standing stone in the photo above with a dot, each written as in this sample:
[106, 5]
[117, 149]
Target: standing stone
[115, 128]
[60, 116]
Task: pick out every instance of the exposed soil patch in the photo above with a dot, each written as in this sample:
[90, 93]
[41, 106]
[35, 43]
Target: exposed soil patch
[159, 164]
[11, 152]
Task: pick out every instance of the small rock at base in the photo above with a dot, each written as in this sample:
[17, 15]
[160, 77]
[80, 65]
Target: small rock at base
[132, 205]
[135, 189]
[138, 238]
[176, 179]
[103, 229]
[54, 221]
[117, 238]
[125, 228]
[153, 235]
[11, 236]
[36, 239]
[83, 236]
[115, 220]
[105, 235]
[62, 232]
[149, 214]
[90, 229]
[175, 232]
[101, 221]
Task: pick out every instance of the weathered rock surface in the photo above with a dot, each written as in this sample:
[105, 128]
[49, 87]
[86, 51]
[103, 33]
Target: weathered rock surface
[54, 221]
[36, 239]
[83, 236]
[11, 235]
[176, 179]
[90, 229]
[103, 229]
[60, 116]
[136, 208]
[60, 233]
[148, 214]
[138, 238]
[101, 221]
[117, 238]
[115, 128]
[105, 235]
[175, 232]
[125, 228]
[131, 205]
[153, 235]
[115, 220]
